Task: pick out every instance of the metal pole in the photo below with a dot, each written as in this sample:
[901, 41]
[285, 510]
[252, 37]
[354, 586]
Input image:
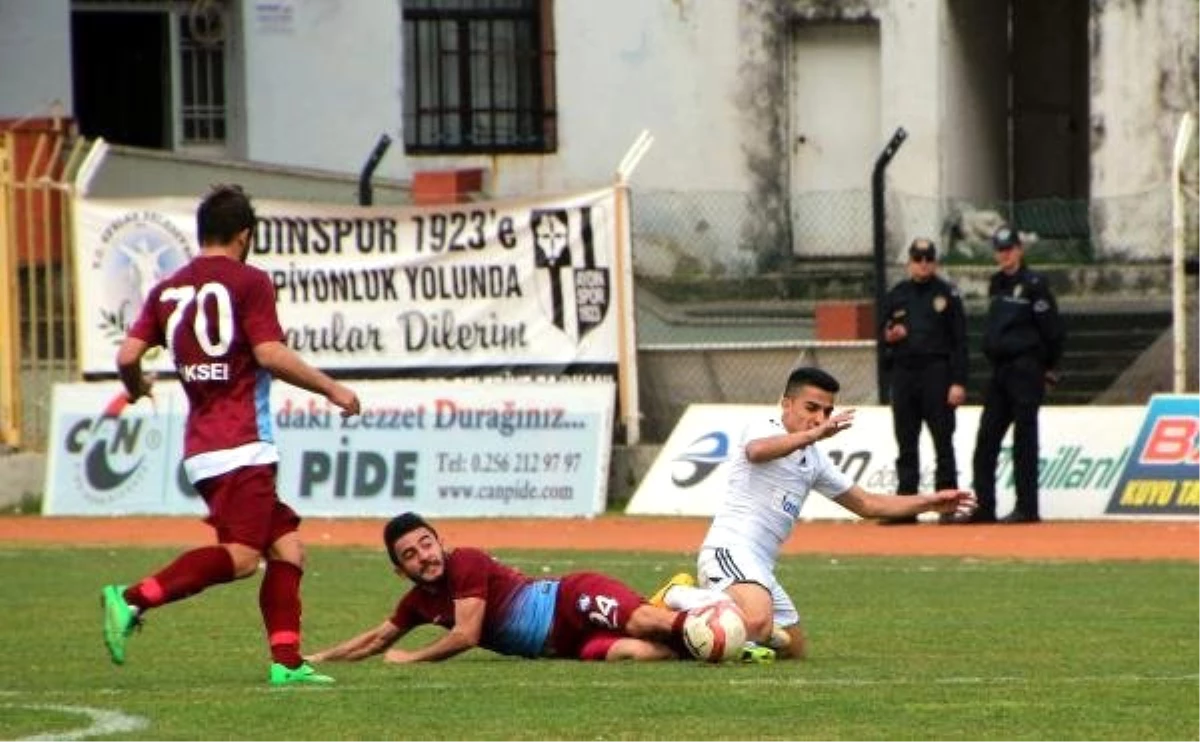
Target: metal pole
[365, 197]
[879, 218]
[1183, 136]
[627, 376]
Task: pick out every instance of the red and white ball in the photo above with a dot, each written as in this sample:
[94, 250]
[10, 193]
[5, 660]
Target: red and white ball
[715, 633]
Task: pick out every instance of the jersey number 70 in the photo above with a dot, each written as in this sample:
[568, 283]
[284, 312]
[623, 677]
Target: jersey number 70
[183, 296]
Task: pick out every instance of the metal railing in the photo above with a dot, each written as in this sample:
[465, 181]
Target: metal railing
[38, 160]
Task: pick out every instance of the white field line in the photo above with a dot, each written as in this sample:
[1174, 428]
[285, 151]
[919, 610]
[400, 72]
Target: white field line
[103, 722]
[704, 678]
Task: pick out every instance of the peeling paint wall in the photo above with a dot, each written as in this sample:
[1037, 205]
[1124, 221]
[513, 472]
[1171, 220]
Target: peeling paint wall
[763, 105]
[911, 97]
[1144, 72]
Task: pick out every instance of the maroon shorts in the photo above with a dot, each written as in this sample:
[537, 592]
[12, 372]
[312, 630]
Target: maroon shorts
[244, 508]
[590, 614]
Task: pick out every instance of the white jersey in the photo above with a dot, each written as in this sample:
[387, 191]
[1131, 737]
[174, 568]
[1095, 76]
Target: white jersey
[763, 501]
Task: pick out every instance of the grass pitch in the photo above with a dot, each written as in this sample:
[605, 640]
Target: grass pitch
[902, 648]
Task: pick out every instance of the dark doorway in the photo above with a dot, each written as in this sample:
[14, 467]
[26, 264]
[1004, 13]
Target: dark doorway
[120, 66]
[1050, 125]
[1050, 136]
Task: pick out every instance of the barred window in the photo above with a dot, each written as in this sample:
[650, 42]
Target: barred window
[202, 79]
[152, 73]
[479, 76]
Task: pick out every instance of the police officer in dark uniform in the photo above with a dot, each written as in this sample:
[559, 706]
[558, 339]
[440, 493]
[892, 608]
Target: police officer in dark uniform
[1023, 341]
[925, 332]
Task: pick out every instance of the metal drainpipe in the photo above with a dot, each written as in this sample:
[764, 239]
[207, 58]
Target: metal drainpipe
[879, 218]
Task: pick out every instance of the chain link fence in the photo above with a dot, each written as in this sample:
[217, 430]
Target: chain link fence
[730, 287]
[725, 235]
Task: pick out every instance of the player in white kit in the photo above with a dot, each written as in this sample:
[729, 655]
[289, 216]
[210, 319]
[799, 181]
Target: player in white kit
[771, 472]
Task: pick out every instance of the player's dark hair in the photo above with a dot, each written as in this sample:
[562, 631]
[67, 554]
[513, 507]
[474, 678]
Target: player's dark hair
[810, 376]
[224, 212]
[397, 527]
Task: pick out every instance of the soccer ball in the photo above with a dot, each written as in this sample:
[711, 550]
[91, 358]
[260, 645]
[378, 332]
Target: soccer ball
[715, 633]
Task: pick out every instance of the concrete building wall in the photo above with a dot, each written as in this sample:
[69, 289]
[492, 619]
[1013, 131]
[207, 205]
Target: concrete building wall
[35, 57]
[1144, 76]
[667, 67]
[912, 93]
[911, 96]
[974, 153]
[320, 89]
[317, 85]
[914, 97]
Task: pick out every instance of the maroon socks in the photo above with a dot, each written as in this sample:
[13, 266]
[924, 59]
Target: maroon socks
[279, 600]
[193, 571]
[190, 573]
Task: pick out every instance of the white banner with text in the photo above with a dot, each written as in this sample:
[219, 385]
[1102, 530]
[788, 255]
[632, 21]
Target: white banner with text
[444, 449]
[1094, 463]
[522, 285]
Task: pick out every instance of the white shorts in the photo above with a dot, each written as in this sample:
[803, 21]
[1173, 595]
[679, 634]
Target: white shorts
[718, 568]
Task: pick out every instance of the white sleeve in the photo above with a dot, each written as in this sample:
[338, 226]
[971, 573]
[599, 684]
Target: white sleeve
[830, 480]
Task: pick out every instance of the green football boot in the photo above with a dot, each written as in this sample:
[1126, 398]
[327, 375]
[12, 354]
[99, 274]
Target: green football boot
[756, 654]
[120, 619]
[283, 675]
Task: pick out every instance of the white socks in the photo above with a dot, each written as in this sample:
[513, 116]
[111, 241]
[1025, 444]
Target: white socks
[686, 597]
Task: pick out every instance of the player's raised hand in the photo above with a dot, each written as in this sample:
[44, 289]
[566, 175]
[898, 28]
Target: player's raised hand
[835, 424]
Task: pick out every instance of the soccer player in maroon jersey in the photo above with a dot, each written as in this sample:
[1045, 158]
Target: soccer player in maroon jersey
[217, 317]
[481, 602]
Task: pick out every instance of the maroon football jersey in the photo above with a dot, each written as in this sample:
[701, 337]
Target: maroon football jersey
[468, 573]
[557, 616]
[210, 314]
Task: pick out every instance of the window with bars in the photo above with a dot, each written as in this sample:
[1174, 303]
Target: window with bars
[479, 76]
[153, 72]
[201, 80]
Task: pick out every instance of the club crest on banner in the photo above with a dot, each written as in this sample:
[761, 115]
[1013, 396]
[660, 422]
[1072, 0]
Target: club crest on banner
[572, 288]
[135, 252]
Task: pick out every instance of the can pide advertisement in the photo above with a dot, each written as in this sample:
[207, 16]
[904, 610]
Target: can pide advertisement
[1094, 462]
[446, 449]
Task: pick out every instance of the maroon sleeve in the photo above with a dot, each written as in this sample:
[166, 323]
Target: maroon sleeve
[259, 319]
[146, 327]
[406, 617]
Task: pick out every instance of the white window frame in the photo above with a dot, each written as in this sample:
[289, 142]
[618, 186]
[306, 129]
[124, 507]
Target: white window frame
[177, 11]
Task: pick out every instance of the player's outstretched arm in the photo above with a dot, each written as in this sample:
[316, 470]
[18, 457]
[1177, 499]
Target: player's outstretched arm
[464, 635]
[875, 505]
[366, 644]
[286, 365]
